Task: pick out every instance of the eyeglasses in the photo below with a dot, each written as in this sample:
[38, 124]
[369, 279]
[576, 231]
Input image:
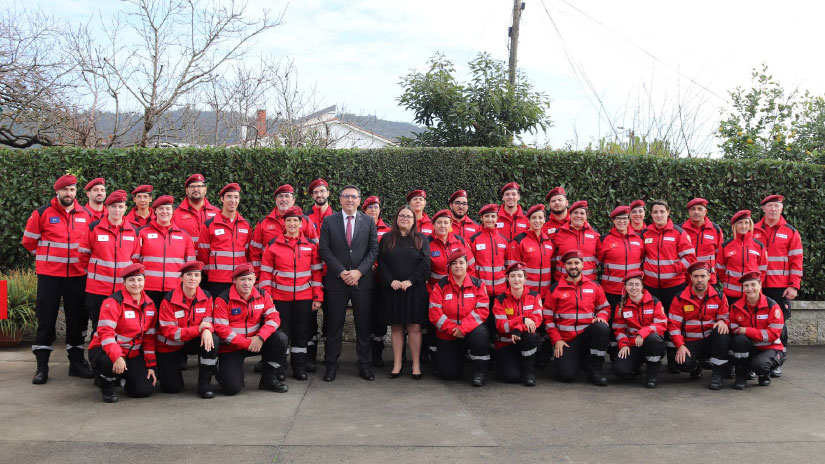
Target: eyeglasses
[350, 197]
[196, 186]
[460, 203]
[373, 207]
[405, 216]
[621, 218]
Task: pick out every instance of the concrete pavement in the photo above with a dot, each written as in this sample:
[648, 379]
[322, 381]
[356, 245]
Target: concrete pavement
[402, 420]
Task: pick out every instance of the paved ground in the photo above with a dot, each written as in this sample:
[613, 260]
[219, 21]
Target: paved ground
[401, 420]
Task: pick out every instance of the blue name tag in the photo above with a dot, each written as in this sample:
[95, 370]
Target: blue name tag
[54, 220]
[236, 311]
[435, 254]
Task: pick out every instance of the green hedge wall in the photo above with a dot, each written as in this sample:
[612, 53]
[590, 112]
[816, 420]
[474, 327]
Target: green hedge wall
[604, 180]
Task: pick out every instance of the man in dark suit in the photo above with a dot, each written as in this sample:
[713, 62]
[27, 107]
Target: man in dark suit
[349, 246]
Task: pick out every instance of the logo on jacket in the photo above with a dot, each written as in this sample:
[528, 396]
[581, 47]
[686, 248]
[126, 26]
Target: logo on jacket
[236, 311]
[435, 254]
[54, 220]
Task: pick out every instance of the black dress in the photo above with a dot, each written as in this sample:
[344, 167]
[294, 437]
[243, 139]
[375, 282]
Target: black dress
[402, 263]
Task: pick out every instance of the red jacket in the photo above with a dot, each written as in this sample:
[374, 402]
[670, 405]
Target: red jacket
[126, 328]
[465, 227]
[692, 319]
[316, 217]
[737, 256]
[164, 250]
[96, 215]
[237, 320]
[571, 307]
[489, 249]
[179, 318]
[425, 225]
[585, 240]
[706, 241]
[638, 319]
[438, 256]
[223, 245]
[54, 236]
[137, 221]
[191, 220]
[510, 314]
[763, 322]
[270, 227]
[466, 306]
[537, 255]
[291, 270]
[105, 250]
[668, 253]
[381, 227]
[552, 224]
[784, 253]
[619, 255]
[510, 226]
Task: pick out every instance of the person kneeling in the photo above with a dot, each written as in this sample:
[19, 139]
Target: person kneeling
[247, 323]
[458, 307]
[185, 326]
[123, 347]
[639, 326]
[756, 321]
[518, 314]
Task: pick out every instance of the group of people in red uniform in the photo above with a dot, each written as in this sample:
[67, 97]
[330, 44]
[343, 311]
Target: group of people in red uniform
[518, 288]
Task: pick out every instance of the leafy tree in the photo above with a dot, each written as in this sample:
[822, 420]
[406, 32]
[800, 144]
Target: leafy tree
[768, 122]
[486, 111]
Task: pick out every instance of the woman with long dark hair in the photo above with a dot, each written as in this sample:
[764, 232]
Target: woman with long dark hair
[404, 267]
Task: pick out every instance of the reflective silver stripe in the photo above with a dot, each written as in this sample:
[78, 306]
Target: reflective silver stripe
[795, 272]
[103, 278]
[734, 326]
[204, 245]
[437, 276]
[256, 263]
[685, 262]
[718, 362]
[113, 264]
[42, 347]
[608, 278]
[659, 321]
[271, 324]
[705, 258]
[209, 362]
[122, 339]
[151, 331]
[317, 267]
[228, 254]
[506, 326]
[589, 259]
[574, 316]
[595, 352]
[763, 267]
[290, 288]
[689, 251]
[675, 332]
[265, 283]
[602, 306]
[621, 267]
[620, 336]
[736, 274]
[161, 259]
[56, 259]
[501, 316]
[535, 283]
[267, 268]
[294, 275]
[537, 270]
[435, 305]
[720, 266]
[166, 341]
[84, 250]
[296, 349]
[441, 321]
[51, 244]
[547, 312]
[255, 244]
[166, 274]
[177, 334]
[764, 334]
[243, 330]
[661, 262]
[221, 321]
[490, 268]
[229, 337]
[619, 326]
[775, 326]
[28, 234]
[223, 267]
[696, 322]
[529, 352]
[676, 317]
[777, 258]
[274, 364]
[505, 339]
[733, 287]
[653, 359]
[668, 275]
[739, 355]
[777, 272]
[270, 311]
[106, 323]
[166, 323]
[107, 341]
[587, 271]
[494, 282]
[206, 319]
[571, 328]
[697, 335]
[476, 317]
[797, 251]
[486, 357]
[315, 284]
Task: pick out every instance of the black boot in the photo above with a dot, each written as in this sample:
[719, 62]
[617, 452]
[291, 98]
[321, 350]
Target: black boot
[269, 379]
[741, 378]
[312, 353]
[182, 362]
[377, 351]
[729, 370]
[671, 361]
[653, 374]
[528, 372]
[299, 361]
[716, 375]
[480, 374]
[764, 380]
[280, 373]
[42, 373]
[696, 374]
[107, 389]
[78, 367]
[259, 367]
[595, 374]
[205, 381]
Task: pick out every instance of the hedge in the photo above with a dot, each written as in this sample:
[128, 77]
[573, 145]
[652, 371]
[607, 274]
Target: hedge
[604, 180]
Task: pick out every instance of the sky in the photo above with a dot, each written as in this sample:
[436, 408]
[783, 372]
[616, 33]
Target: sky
[603, 63]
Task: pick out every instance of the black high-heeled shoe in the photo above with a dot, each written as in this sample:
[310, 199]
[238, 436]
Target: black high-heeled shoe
[395, 375]
[416, 376]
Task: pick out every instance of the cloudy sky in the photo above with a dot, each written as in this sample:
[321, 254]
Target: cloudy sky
[603, 63]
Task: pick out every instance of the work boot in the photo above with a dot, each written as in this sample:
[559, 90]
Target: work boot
[741, 378]
[696, 374]
[729, 371]
[764, 380]
[528, 372]
[480, 374]
[107, 389]
[205, 381]
[299, 361]
[716, 381]
[653, 374]
[269, 379]
[377, 351]
[776, 371]
[595, 374]
[42, 373]
[78, 367]
[312, 353]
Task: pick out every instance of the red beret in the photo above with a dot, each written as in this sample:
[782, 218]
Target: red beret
[191, 266]
[441, 213]
[456, 194]
[555, 191]
[619, 210]
[455, 254]
[752, 275]
[578, 204]
[517, 266]
[93, 182]
[696, 201]
[65, 181]
[193, 178]
[118, 196]
[534, 209]
[633, 275]
[371, 200]
[293, 211]
[163, 200]
[772, 198]
[741, 214]
[637, 204]
[572, 254]
[698, 265]
[416, 193]
[132, 269]
[286, 188]
[489, 208]
[509, 186]
[242, 270]
[233, 187]
[142, 189]
[317, 183]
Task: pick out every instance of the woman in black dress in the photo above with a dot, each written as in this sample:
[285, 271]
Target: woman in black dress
[404, 266]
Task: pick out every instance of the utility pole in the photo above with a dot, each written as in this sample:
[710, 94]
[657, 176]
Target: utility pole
[518, 5]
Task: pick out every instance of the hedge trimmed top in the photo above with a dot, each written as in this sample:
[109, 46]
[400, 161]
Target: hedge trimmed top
[605, 181]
